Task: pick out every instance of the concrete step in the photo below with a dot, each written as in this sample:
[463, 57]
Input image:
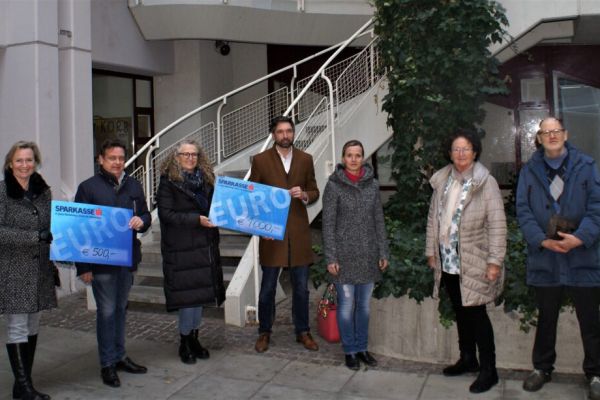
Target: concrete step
[151, 252]
[147, 294]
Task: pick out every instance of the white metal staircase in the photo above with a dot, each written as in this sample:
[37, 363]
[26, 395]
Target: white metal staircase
[341, 101]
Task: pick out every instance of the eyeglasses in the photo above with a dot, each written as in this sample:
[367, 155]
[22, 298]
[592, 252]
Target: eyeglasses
[553, 132]
[463, 150]
[188, 155]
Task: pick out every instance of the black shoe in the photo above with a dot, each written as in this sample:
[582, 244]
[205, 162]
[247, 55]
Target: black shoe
[594, 386]
[367, 358]
[466, 363]
[110, 377]
[487, 378]
[128, 365]
[185, 350]
[352, 362]
[197, 349]
[536, 379]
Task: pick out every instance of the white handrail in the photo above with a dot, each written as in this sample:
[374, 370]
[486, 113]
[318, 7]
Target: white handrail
[195, 111]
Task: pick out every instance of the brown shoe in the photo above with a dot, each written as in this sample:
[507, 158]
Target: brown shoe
[262, 343]
[307, 340]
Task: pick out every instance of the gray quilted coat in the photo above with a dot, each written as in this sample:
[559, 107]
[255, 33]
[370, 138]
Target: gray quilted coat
[26, 274]
[482, 235]
[354, 233]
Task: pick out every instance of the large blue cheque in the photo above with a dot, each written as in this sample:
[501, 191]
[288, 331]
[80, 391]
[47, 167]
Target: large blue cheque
[250, 207]
[91, 234]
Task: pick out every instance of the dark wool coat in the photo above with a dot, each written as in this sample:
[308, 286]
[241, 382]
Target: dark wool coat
[354, 233]
[580, 202]
[296, 247]
[190, 252]
[103, 189]
[26, 273]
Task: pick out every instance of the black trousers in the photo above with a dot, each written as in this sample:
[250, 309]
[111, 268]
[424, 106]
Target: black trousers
[586, 301]
[473, 324]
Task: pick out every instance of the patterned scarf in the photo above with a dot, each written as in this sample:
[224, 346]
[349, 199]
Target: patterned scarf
[194, 182]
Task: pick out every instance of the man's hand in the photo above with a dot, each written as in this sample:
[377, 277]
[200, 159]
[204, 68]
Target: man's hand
[333, 268]
[86, 277]
[383, 264]
[568, 242]
[136, 223]
[297, 193]
[493, 272]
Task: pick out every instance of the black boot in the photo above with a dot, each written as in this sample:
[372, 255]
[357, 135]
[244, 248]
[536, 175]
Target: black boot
[488, 376]
[197, 349]
[18, 354]
[466, 363]
[32, 341]
[185, 349]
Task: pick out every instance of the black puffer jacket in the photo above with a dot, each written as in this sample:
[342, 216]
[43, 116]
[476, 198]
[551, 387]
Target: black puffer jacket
[190, 252]
[26, 273]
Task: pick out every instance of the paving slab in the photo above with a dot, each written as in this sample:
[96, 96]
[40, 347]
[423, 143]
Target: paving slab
[386, 385]
[457, 388]
[309, 376]
[248, 367]
[551, 391]
[273, 391]
[218, 388]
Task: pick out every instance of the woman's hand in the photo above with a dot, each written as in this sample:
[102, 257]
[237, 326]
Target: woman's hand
[86, 277]
[205, 222]
[493, 272]
[136, 223]
[383, 264]
[431, 262]
[333, 268]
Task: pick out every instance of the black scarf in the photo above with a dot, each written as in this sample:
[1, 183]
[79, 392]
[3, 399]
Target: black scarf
[194, 182]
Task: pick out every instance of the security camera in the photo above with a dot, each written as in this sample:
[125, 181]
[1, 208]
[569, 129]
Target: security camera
[222, 47]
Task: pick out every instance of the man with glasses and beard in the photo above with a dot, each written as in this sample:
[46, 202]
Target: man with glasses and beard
[289, 168]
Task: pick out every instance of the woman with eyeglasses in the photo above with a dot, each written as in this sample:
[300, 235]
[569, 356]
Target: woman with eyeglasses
[193, 276]
[26, 272]
[558, 208]
[466, 244]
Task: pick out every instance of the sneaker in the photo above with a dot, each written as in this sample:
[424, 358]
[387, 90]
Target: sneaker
[595, 388]
[536, 379]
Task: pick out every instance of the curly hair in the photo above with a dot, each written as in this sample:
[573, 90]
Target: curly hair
[171, 168]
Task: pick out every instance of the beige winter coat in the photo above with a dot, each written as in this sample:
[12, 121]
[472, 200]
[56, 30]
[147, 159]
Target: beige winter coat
[482, 236]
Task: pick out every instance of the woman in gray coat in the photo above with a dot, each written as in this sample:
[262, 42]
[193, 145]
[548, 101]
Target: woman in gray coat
[356, 247]
[26, 273]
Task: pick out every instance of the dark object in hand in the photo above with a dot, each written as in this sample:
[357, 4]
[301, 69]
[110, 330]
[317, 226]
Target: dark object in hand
[56, 275]
[557, 224]
[45, 236]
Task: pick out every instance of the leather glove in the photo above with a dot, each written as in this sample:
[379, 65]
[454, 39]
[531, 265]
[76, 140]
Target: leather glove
[45, 236]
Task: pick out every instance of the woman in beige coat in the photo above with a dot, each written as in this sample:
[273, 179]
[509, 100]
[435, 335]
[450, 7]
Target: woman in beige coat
[466, 243]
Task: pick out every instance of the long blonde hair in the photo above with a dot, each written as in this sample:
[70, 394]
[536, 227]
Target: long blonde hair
[171, 168]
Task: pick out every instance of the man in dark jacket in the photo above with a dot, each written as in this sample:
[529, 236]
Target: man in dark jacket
[110, 284]
[558, 208]
[289, 168]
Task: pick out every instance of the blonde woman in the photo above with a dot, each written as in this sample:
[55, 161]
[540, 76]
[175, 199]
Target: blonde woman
[189, 243]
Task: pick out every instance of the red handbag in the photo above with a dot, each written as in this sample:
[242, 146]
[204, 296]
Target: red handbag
[327, 315]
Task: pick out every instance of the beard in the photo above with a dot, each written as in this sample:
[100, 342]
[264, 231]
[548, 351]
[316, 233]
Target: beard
[285, 143]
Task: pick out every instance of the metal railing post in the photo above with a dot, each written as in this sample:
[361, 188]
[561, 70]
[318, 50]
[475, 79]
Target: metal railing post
[147, 177]
[372, 63]
[219, 129]
[293, 89]
[331, 116]
[255, 243]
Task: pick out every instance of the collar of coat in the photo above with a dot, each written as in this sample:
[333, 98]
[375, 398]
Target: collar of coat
[575, 162]
[480, 174]
[37, 185]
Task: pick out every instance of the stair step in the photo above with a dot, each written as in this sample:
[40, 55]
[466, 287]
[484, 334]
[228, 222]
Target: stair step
[153, 269]
[147, 294]
[225, 233]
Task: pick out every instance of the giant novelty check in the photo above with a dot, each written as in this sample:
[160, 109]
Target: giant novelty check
[250, 207]
[91, 234]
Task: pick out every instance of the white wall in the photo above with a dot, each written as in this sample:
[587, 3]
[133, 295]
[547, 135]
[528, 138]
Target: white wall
[118, 45]
[202, 74]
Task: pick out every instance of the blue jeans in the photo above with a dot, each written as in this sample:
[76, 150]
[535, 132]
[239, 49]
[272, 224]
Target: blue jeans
[111, 292]
[20, 326]
[353, 316]
[189, 319]
[266, 298]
